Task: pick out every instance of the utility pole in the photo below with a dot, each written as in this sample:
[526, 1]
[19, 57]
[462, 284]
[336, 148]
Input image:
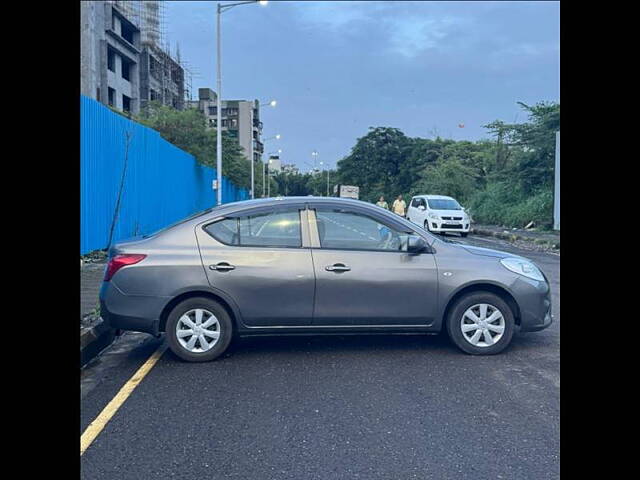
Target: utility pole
[219, 115]
[221, 8]
[327, 182]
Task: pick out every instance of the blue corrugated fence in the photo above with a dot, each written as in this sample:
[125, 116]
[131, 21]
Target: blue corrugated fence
[162, 182]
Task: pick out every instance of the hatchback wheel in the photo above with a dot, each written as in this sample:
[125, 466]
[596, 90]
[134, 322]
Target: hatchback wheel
[199, 330]
[481, 323]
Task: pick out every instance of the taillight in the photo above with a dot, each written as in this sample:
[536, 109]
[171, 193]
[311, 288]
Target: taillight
[119, 261]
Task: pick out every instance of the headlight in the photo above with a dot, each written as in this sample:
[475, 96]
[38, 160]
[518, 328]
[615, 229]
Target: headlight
[523, 267]
[433, 215]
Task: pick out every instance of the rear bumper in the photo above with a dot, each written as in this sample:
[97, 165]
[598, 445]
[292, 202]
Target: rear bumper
[130, 312]
[133, 324]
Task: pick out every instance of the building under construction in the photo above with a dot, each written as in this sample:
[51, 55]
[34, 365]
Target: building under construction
[125, 62]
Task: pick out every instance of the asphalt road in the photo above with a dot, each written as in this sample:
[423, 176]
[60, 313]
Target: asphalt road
[371, 407]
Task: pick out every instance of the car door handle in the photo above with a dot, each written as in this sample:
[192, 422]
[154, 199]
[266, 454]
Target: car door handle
[337, 267]
[222, 267]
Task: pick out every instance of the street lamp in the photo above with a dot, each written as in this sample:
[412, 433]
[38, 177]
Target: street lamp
[272, 103]
[327, 178]
[264, 167]
[220, 9]
[268, 173]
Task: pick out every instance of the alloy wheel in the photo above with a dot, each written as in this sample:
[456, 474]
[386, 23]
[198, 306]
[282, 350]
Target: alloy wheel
[482, 325]
[198, 330]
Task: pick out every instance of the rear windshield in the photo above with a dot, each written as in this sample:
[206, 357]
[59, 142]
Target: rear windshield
[444, 204]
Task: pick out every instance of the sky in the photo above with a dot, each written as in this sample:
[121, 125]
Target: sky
[337, 68]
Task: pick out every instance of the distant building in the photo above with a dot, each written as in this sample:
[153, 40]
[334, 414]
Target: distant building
[240, 118]
[121, 62]
[290, 168]
[275, 164]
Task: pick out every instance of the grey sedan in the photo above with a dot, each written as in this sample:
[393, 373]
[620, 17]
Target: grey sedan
[316, 265]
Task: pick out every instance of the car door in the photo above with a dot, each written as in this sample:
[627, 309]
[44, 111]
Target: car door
[412, 210]
[423, 210]
[261, 259]
[418, 214]
[364, 276]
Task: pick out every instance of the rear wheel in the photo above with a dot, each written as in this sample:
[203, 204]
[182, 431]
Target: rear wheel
[199, 329]
[481, 323]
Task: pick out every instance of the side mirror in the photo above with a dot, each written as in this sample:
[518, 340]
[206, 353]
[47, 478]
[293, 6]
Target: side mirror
[421, 207]
[416, 244]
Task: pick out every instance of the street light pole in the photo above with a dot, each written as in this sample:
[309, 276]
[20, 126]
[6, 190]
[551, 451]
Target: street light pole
[219, 115]
[220, 9]
[264, 168]
[269, 173]
[272, 103]
[253, 185]
[327, 169]
[327, 182]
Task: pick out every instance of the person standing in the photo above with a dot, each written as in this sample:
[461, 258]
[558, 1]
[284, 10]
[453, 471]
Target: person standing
[399, 206]
[382, 203]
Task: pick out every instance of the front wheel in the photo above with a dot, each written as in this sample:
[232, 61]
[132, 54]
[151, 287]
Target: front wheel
[464, 234]
[199, 329]
[426, 226]
[481, 323]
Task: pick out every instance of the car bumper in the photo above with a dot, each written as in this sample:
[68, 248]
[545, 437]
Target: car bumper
[130, 312]
[534, 300]
[443, 226]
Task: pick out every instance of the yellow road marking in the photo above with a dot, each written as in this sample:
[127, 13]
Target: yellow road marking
[94, 429]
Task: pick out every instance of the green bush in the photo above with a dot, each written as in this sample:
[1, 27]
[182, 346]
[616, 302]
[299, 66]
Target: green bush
[502, 204]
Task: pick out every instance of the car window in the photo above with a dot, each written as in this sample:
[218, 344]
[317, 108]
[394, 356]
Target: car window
[346, 230]
[444, 204]
[415, 202]
[267, 229]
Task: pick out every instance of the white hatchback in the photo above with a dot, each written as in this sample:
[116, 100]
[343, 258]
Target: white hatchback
[438, 214]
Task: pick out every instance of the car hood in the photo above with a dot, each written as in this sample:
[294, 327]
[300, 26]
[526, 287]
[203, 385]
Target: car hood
[450, 213]
[487, 252]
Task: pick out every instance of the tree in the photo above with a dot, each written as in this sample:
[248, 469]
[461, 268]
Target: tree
[507, 179]
[187, 129]
[376, 163]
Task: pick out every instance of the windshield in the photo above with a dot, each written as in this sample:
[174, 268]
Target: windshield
[444, 204]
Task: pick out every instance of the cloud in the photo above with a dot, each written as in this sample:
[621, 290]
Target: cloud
[404, 28]
[412, 36]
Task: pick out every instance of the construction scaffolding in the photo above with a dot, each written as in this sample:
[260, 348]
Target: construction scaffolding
[149, 16]
[165, 77]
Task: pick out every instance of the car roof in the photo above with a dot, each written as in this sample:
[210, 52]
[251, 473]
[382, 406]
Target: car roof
[230, 209]
[260, 202]
[233, 207]
[434, 197]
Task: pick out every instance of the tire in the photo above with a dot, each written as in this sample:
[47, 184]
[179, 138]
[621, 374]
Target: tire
[210, 309]
[426, 226]
[464, 234]
[457, 315]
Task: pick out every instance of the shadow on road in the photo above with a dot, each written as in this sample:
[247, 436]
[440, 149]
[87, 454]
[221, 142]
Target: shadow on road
[371, 345]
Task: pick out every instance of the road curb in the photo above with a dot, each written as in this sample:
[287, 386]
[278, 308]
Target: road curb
[513, 237]
[94, 340]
